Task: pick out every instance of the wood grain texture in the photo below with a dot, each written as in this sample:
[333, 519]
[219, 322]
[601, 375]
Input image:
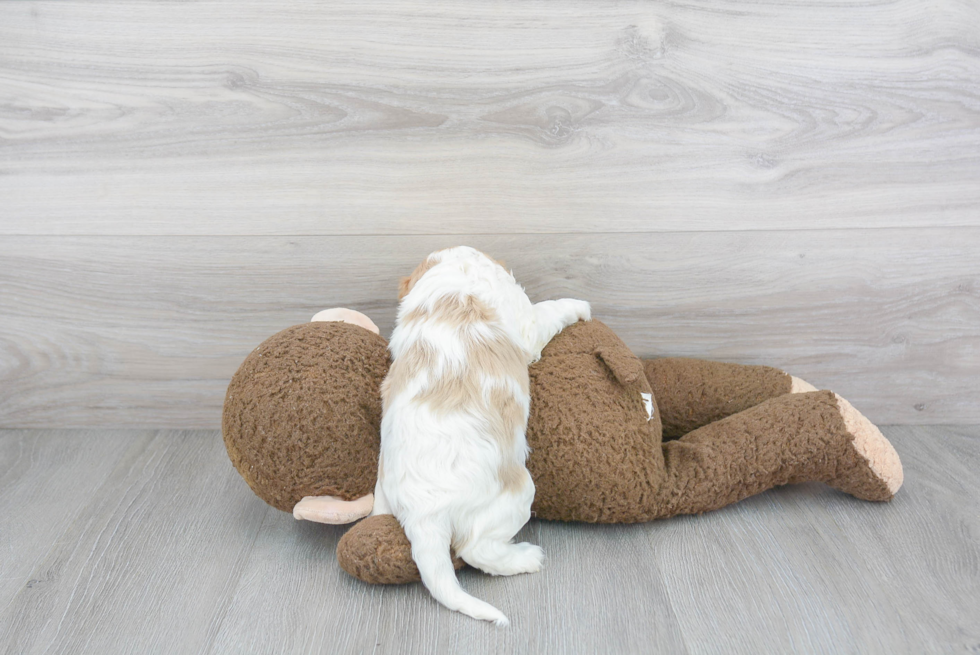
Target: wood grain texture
[147, 331]
[149, 562]
[234, 118]
[171, 552]
[45, 479]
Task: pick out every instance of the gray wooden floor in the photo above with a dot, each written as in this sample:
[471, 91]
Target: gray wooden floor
[149, 542]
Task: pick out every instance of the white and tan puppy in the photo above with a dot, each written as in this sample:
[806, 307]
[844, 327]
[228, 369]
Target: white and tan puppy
[455, 407]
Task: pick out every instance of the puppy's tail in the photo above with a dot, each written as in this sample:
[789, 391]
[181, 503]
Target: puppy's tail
[430, 550]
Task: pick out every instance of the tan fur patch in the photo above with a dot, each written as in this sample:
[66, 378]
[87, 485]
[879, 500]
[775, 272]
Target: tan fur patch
[452, 392]
[462, 390]
[418, 357]
[507, 417]
[417, 314]
[406, 284]
[463, 311]
[497, 358]
[454, 310]
[500, 359]
[512, 477]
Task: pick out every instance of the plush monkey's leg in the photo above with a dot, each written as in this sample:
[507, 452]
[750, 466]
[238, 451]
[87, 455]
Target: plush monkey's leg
[692, 393]
[794, 438]
[377, 551]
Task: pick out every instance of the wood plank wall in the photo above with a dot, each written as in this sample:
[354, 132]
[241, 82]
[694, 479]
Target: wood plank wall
[791, 183]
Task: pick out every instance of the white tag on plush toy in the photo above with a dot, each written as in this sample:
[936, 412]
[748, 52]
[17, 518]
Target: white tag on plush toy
[648, 403]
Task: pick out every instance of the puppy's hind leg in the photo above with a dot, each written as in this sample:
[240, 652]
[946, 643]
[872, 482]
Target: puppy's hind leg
[489, 546]
[430, 550]
[503, 558]
[381, 505]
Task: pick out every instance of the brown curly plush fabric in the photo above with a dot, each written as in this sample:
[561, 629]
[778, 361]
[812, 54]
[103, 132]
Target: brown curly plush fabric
[595, 452]
[302, 416]
[695, 392]
[596, 457]
[376, 550]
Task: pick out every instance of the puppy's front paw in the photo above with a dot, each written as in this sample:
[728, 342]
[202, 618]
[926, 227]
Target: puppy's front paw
[583, 310]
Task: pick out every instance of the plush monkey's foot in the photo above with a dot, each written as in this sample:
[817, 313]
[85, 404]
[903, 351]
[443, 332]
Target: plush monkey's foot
[800, 386]
[328, 509]
[874, 472]
[876, 454]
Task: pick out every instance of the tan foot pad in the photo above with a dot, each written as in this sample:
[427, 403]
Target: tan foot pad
[328, 509]
[801, 386]
[872, 445]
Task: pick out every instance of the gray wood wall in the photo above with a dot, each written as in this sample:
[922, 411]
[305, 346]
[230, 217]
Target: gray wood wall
[796, 184]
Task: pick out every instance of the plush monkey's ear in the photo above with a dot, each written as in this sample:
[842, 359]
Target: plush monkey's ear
[404, 286]
[626, 366]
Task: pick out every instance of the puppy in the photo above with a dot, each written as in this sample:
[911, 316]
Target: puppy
[455, 408]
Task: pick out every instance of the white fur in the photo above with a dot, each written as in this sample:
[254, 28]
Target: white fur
[440, 473]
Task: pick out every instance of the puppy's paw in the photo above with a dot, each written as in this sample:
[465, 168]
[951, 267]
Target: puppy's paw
[527, 558]
[579, 309]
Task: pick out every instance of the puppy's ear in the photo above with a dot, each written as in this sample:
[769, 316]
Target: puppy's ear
[407, 283]
[404, 286]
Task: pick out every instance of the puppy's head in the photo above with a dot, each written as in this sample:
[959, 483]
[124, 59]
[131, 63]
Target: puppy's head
[459, 253]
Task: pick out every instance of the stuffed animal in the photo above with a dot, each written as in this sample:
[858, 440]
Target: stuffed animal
[614, 439]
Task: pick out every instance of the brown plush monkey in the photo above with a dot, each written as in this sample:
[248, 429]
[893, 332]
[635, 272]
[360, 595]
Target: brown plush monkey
[613, 439]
